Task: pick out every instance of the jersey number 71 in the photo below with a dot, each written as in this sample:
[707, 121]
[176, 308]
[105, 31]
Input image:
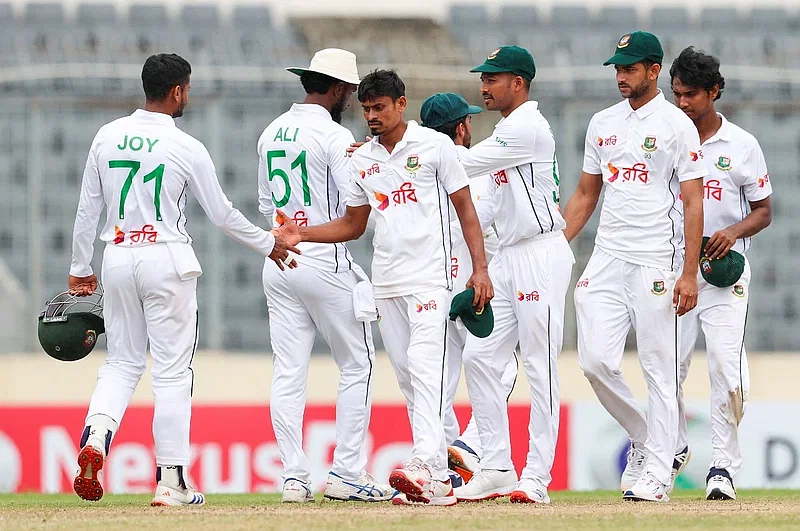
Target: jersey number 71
[134, 165]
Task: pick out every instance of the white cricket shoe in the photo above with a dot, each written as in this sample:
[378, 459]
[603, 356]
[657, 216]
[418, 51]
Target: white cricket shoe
[364, 489]
[415, 481]
[647, 488]
[634, 470]
[530, 490]
[463, 461]
[402, 499]
[678, 464]
[170, 495]
[719, 485]
[296, 491]
[488, 485]
[88, 480]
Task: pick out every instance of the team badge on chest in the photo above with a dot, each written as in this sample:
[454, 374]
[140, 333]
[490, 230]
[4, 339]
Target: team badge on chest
[724, 164]
[649, 144]
[738, 290]
[412, 163]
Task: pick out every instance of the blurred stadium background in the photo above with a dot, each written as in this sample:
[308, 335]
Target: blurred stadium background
[66, 68]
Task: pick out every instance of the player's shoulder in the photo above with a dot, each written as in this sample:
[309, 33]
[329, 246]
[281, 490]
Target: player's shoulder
[675, 116]
[617, 110]
[741, 137]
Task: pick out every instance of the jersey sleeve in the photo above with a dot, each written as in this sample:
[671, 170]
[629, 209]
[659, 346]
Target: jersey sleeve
[205, 185]
[451, 172]
[757, 185]
[591, 151]
[90, 206]
[265, 204]
[688, 165]
[356, 195]
[338, 161]
[506, 148]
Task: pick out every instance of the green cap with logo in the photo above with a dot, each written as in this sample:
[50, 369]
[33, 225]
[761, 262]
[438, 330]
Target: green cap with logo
[635, 47]
[512, 59]
[445, 107]
[478, 324]
[721, 272]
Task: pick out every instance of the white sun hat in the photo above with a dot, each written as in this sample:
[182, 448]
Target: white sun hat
[334, 62]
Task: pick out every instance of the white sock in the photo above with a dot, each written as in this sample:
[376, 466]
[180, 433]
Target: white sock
[171, 475]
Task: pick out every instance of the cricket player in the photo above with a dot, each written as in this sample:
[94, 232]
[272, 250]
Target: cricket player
[531, 272]
[736, 207]
[451, 115]
[646, 152]
[141, 168]
[405, 175]
[304, 170]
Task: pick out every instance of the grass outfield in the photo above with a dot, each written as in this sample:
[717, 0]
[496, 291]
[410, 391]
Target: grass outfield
[767, 509]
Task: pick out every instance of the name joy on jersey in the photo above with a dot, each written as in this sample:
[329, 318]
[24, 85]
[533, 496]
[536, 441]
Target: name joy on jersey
[136, 143]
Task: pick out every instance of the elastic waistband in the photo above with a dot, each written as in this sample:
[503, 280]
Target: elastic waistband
[546, 236]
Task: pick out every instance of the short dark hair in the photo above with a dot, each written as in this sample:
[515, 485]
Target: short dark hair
[162, 72]
[695, 68]
[316, 83]
[379, 83]
[449, 128]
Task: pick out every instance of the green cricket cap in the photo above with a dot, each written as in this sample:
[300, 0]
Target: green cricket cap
[722, 272]
[478, 324]
[512, 59]
[635, 47]
[445, 107]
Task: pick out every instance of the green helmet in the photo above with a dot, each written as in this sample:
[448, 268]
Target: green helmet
[69, 325]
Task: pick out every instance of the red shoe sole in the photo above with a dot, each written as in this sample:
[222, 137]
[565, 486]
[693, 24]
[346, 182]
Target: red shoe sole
[89, 488]
[520, 497]
[411, 489]
[457, 463]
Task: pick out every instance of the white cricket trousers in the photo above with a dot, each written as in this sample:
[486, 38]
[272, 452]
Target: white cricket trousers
[530, 280]
[611, 296]
[722, 315]
[461, 270]
[414, 331]
[300, 302]
[146, 302]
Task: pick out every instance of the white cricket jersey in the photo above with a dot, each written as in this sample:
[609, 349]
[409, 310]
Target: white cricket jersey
[478, 186]
[141, 168]
[304, 170]
[408, 191]
[643, 156]
[520, 161]
[737, 176]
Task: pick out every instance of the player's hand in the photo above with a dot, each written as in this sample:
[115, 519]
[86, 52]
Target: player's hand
[684, 296]
[355, 145]
[287, 236]
[484, 290]
[720, 243]
[82, 286]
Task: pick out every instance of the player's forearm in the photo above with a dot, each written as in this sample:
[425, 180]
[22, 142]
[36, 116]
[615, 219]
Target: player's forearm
[756, 221]
[337, 231]
[579, 209]
[473, 236]
[693, 234]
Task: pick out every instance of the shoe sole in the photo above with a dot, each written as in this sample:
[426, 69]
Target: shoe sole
[640, 499]
[356, 499]
[519, 496]
[86, 484]
[411, 489]
[490, 496]
[718, 495]
[457, 464]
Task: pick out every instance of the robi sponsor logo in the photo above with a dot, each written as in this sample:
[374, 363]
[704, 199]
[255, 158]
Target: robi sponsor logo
[637, 172]
[527, 297]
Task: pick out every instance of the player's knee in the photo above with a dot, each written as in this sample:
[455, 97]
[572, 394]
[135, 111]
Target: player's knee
[596, 369]
[474, 360]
